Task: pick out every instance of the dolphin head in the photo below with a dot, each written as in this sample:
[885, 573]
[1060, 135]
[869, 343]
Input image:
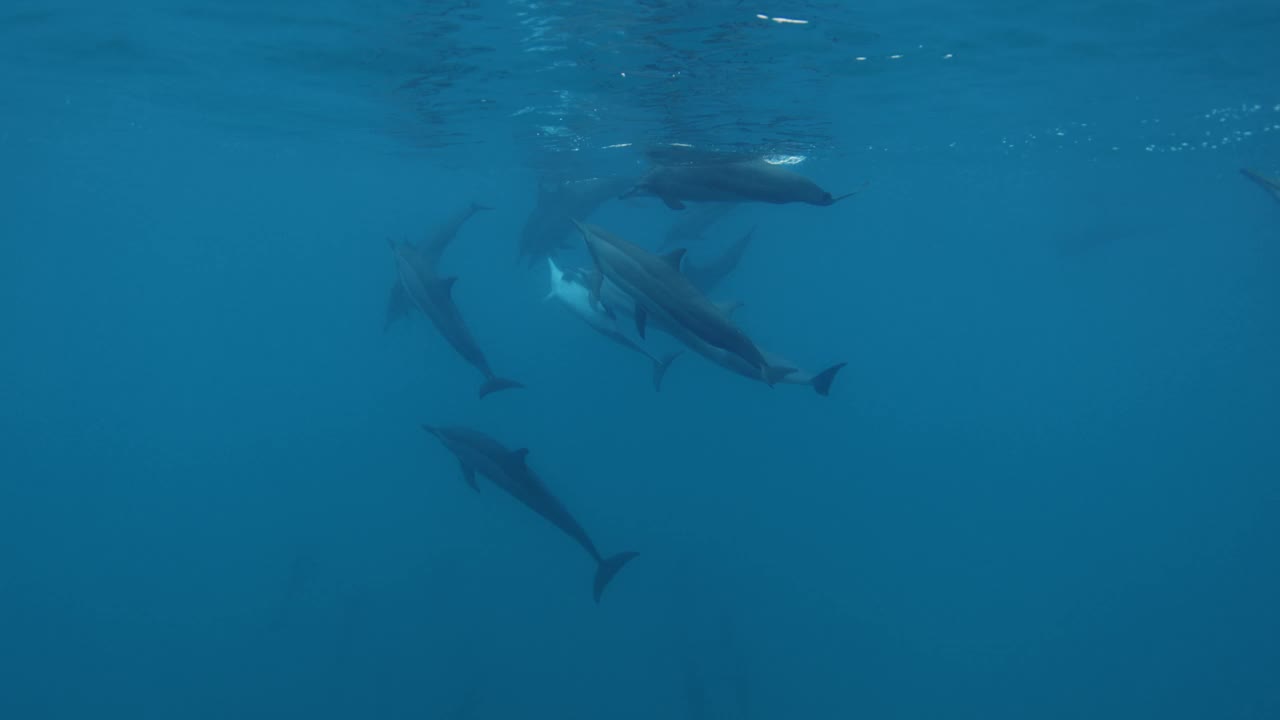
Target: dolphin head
[827, 198]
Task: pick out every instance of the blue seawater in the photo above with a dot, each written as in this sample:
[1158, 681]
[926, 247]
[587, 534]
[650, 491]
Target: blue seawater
[1046, 484]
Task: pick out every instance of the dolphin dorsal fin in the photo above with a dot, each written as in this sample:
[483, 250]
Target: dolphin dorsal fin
[674, 257]
[518, 455]
[446, 283]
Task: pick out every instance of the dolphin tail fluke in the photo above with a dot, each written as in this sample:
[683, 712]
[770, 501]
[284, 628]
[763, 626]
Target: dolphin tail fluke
[607, 568]
[660, 368]
[494, 384]
[822, 381]
[774, 375]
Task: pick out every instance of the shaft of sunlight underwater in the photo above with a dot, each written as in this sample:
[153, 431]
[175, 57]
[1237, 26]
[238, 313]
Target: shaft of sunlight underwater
[1040, 477]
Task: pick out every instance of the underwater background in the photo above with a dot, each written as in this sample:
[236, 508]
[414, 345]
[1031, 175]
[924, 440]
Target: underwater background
[1046, 485]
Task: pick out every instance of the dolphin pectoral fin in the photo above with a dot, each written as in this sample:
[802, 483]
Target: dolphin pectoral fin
[822, 381]
[469, 474]
[494, 384]
[775, 375]
[671, 202]
[607, 568]
[660, 368]
[398, 305]
[606, 309]
[594, 283]
[641, 316]
[674, 257]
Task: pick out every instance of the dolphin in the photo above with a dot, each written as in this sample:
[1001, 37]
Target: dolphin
[653, 284]
[784, 371]
[547, 228]
[571, 290]
[707, 277]
[752, 180]
[691, 225]
[508, 469]
[1270, 184]
[418, 284]
[400, 303]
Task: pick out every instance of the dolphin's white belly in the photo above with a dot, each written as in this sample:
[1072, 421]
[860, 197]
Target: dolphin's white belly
[578, 299]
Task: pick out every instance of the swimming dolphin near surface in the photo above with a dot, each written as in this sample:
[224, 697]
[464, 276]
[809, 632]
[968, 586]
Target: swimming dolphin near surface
[547, 229]
[653, 284]
[571, 290]
[690, 227]
[785, 372]
[1270, 184]
[752, 180]
[707, 277]
[418, 284]
[508, 469]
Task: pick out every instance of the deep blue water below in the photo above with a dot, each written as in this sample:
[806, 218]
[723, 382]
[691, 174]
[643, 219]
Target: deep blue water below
[1045, 485]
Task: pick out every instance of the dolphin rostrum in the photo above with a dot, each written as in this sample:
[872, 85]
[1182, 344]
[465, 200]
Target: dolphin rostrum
[653, 284]
[751, 180]
[418, 284]
[1270, 184]
[820, 382]
[508, 469]
[571, 290]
